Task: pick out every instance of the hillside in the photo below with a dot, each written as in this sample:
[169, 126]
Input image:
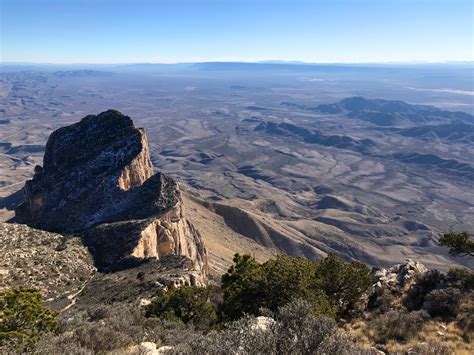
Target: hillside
[59, 266]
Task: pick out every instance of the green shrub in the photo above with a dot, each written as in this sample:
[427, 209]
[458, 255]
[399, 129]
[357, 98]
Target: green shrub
[458, 243]
[249, 286]
[397, 325]
[23, 318]
[242, 287]
[443, 303]
[461, 278]
[287, 278]
[343, 283]
[329, 286]
[189, 304]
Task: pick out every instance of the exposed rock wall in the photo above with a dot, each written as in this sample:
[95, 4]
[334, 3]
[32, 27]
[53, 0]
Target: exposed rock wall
[170, 234]
[139, 169]
[97, 180]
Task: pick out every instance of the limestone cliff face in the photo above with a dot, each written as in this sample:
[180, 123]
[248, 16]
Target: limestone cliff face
[167, 235]
[97, 180]
[139, 169]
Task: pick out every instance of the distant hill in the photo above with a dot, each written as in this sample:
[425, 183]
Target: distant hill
[81, 73]
[385, 112]
[316, 137]
[452, 132]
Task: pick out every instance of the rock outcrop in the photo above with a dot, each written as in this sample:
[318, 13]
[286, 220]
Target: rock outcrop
[394, 284]
[97, 181]
[400, 277]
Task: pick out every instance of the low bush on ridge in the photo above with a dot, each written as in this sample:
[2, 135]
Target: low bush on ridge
[189, 304]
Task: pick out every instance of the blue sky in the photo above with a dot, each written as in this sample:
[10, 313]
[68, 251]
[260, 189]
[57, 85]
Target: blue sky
[120, 31]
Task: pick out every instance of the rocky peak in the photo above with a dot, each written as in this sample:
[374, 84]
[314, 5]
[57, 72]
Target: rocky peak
[97, 181]
[92, 135]
[87, 167]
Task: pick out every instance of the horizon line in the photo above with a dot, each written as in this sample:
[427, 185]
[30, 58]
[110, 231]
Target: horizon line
[265, 61]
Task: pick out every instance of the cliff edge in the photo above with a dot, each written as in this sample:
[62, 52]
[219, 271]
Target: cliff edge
[97, 181]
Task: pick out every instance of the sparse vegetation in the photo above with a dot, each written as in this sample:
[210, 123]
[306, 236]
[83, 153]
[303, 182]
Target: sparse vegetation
[283, 306]
[397, 325]
[433, 315]
[189, 304]
[423, 285]
[443, 303]
[295, 330]
[23, 319]
[461, 278]
[458, 243]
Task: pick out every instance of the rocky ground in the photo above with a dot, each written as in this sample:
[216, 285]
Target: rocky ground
[57, 265]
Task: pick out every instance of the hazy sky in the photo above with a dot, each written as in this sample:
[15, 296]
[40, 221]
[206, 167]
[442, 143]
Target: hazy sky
[117, 31]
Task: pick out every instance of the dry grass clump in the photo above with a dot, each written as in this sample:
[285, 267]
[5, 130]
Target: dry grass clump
[391, 334]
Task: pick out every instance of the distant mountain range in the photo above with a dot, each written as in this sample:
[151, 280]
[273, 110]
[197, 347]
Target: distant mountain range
[316, 137]
[385, 112]
[450, 127]
[261, 66]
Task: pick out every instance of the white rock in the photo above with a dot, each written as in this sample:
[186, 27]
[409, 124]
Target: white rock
[374, 350]
[263, 323]
[147, 348]
[144, 302]
[164, 349]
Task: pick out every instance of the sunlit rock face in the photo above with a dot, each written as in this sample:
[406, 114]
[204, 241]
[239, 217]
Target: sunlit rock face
[97, 181]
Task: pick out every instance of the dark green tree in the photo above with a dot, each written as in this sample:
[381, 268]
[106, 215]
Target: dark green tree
[288, 278]
[458, 243]
[243, 287]
[342, 282]
[23, 318]
[461, 278]
[331, 286]
[189, 304]
[249, 286]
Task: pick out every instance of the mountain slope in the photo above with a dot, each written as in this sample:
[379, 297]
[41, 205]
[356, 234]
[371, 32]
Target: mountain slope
[59, 266]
